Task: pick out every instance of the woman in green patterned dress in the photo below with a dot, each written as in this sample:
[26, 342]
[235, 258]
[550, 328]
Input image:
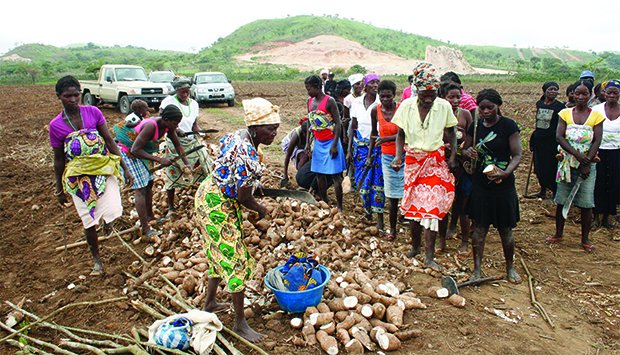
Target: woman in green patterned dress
[235, 174]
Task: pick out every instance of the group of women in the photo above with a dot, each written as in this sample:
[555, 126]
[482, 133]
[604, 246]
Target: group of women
[426, 155]
[90, 165]
[576, 150]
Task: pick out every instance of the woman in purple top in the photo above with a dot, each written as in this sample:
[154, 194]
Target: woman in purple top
[86, 163]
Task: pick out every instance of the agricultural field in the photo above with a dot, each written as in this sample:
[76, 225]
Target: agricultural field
[579, 291]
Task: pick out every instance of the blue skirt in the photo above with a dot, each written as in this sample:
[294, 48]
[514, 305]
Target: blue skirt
[322, 161]
[393, 181]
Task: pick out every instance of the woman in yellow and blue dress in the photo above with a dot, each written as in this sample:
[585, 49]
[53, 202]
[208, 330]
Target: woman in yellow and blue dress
[235, 174]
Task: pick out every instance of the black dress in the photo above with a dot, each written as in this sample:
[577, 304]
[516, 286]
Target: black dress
[543, 143]
[491, 203]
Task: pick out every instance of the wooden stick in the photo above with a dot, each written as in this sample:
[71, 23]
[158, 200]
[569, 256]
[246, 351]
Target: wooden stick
[83, 242]
[147, 309]
[94, 332]
[244, 341]
[133, 349]
[82, 346]
[24, 347]
[130, 248]
[106, 343]
[71, 305]
[539, 307]
[227, 344]
[218, 350]
[163, 310]
[57, 350]
[162, 292]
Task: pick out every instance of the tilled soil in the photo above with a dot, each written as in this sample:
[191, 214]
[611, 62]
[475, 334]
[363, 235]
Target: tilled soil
[580, 291]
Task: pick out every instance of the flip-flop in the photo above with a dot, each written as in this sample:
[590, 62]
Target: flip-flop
[588, 247]
[153, 233]
[553, 240]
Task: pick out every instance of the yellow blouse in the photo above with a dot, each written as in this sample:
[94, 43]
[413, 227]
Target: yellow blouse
[424, 136]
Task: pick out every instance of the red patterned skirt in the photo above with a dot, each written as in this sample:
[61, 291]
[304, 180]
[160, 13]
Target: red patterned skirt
[429, 188]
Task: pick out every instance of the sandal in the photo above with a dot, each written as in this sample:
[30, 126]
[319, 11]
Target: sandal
[553, 240]
[152, 233]
[588, 247]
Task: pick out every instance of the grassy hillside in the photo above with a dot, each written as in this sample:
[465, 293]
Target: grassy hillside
[49, 62]
[294, 29]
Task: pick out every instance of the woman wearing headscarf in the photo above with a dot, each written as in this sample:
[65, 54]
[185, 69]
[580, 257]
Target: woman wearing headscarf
[607, 187]
[364, 155]
[542, 143]
[86, 163]
[579, 134]
[429, 184]
[187, 132]
[357, 89]
[138, 146]
[493, 199]
[217, 204]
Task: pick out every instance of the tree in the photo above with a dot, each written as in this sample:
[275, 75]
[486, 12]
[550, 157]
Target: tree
[358, 69]
[33, 72]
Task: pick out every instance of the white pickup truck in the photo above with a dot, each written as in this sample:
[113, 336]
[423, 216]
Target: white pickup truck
[120, 85]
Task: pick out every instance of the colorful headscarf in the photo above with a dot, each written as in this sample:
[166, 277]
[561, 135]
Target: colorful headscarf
[611, 84]
[370, 77]
[425, 77]
[259, 111]
[356, 78]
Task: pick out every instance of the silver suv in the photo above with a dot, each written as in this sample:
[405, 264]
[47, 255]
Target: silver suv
[212, 87]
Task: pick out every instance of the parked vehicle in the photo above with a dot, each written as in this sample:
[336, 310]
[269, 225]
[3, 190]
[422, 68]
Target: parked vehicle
[212, 87]
[120, 85]
[165, 76]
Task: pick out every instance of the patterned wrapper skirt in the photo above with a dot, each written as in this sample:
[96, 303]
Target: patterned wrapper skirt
[109, 206]
[173, 176]
[429, 188]
[219, 220]
[368, 180]
[139, 170]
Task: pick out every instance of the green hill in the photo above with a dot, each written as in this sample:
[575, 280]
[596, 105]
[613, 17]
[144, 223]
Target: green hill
[49, 62]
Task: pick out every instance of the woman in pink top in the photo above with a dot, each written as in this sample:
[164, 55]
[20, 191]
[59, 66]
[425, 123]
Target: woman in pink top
[86, 163]
[138, 145]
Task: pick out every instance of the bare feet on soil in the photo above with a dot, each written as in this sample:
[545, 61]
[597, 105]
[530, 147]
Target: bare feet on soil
[242, 328]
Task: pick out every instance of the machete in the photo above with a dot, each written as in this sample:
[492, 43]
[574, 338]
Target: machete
[571, 197]
[193, 150]
[295, 194]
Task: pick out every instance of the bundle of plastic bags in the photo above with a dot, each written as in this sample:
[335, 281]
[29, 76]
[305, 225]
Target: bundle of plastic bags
[300, 272]
[195, 328]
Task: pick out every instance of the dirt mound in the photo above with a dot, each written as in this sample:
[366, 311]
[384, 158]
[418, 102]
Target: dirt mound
[332, 52]
[337, 52]
[448, 59]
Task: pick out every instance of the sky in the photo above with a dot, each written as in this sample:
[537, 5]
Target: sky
[192, 25]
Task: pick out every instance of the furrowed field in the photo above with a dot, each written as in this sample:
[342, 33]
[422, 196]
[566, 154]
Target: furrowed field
[580, 292]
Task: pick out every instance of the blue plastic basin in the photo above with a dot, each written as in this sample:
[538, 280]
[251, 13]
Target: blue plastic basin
[298, 301]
